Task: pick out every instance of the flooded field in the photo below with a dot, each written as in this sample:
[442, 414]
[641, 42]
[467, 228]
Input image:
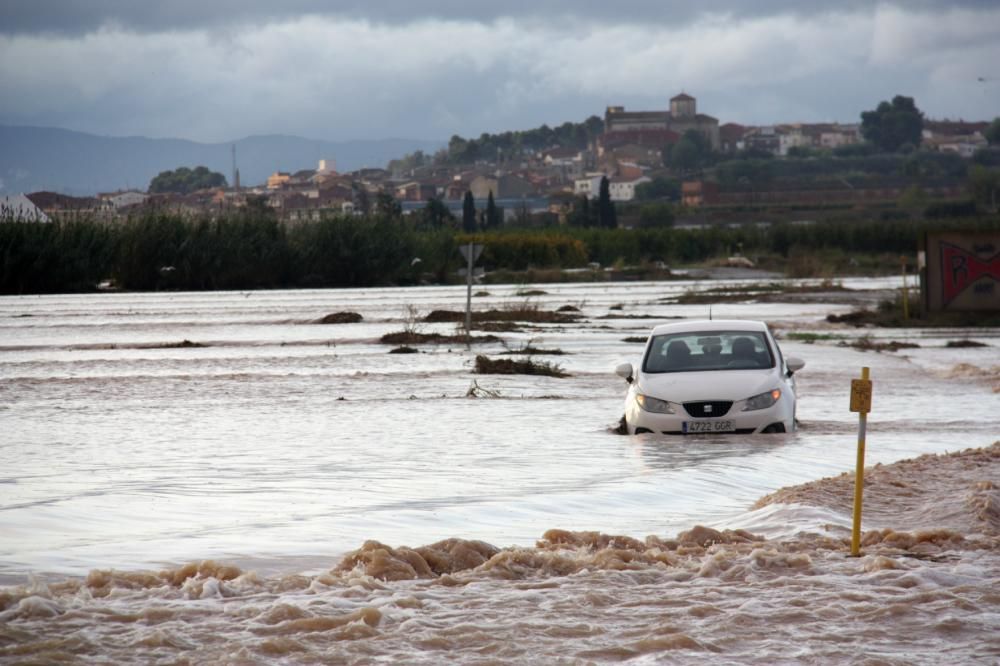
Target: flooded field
[217, 478]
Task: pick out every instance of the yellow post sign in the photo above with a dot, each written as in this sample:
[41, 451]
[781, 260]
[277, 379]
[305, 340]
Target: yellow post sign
[861, 394]
[861, 402]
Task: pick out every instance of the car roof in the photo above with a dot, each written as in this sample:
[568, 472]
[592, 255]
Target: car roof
[710, 325]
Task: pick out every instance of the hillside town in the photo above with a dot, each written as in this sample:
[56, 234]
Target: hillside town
[677, 155]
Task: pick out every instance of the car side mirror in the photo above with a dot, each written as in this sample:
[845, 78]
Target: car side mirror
[625, 371]
[794, 364]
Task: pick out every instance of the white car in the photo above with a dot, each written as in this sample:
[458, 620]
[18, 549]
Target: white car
[711, 377]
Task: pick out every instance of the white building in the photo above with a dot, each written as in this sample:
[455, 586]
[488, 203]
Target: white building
[965, 147]
[624, 190]
[841, 135]
[619, 189]
[588, 186]
[123, 198]
[19, 208]
[792, 137]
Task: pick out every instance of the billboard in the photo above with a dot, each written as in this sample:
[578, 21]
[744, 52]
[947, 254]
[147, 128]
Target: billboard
[962, 271]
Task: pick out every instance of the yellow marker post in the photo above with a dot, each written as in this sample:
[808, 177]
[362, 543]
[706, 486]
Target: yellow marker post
[861, 402]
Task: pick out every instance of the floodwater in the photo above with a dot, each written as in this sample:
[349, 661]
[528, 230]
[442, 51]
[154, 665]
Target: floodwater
[215, 478]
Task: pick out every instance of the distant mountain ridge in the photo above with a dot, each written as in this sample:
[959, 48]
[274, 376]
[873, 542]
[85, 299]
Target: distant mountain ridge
[77, 163]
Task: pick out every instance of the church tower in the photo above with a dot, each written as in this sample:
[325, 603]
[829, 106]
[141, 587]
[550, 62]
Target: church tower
[683, 106]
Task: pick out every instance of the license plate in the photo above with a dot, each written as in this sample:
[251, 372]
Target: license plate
[708, 426]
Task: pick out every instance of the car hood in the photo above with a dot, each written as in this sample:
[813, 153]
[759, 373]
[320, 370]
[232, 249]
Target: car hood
[712, 385]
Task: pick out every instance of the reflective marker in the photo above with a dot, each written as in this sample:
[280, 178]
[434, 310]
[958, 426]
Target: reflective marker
[861, 402]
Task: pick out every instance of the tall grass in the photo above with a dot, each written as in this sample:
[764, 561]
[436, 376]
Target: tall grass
[70, 255]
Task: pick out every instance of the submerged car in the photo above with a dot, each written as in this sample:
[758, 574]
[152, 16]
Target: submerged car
[711, 377]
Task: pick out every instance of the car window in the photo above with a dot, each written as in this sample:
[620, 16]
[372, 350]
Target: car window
[708, 350]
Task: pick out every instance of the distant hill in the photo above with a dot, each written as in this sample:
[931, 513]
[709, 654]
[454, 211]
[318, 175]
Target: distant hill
[58, 160]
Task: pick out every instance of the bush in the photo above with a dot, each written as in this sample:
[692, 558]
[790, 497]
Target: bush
[506, 366]
[946, 209]
[351, 252]
[656, 215]
[521, 250]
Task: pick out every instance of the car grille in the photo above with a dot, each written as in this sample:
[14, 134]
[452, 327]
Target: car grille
[708, 409]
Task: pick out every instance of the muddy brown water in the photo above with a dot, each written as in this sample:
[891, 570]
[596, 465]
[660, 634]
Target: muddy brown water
[288, 493]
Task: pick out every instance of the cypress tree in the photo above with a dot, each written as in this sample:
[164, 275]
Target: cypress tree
[606, 215]
[468, 213]
[492, 213]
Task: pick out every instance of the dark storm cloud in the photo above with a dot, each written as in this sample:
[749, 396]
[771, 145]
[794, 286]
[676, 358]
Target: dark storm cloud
[83, 16]
[214, 71]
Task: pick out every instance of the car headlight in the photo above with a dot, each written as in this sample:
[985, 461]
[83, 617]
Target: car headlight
[762, 400]
[654, 405]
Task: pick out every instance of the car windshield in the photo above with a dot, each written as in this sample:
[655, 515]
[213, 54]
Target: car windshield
[708, 350]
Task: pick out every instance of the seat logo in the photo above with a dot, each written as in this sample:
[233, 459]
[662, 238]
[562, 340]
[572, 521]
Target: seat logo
[708, 409]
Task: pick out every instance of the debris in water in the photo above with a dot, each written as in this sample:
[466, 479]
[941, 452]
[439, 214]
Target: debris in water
[477, 391]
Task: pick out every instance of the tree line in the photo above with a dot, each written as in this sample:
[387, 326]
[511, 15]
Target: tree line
[505, 145]
[253, 250]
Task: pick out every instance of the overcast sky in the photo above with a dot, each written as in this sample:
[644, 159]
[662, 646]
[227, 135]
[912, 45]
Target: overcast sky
[216, 70]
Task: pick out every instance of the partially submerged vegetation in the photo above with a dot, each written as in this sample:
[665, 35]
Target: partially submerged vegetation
[404, 350]
[530, 350]
[619, 315]
[183, 344]
[755, 292]
[965, 344]
[340, 318]
[524, 312]
[506, 366]
[416, 337]
[891, 314]
[811, 338]
[866, 343]
[497, 326]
